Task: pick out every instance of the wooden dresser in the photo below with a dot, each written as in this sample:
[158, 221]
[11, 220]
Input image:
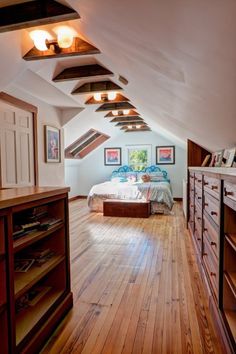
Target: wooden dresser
[33, 301]
[212, 225]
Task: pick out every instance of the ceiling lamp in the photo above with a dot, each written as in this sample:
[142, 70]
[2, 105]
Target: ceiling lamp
[115, 113]
[98, 96]
[126, 111]
[42, 39]
[130, 126]
[138, 126]
[112, 96]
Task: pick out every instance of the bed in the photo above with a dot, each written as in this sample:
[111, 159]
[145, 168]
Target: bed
[126, 184]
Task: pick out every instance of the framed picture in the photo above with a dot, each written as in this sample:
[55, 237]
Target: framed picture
[216, 159]
[228, 158]
[52, 144]
[112, 156]
[165, 155]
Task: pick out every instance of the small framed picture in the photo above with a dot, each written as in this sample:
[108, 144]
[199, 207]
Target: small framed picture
[52, 144]
[228, 158]
[112, 156]
[165, 155]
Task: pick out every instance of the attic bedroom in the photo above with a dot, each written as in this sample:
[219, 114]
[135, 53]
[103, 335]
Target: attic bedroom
[117, 177]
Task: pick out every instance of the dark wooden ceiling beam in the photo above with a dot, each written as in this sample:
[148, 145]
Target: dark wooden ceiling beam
[119, 98]
[79, 47]
[114, 106]
[84, 71]
[34, 13]
[124, 124]
[99, 86]
[132, 113]
[127, 120]
[137, 130]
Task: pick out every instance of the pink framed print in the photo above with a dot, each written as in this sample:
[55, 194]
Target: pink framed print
[112, 156]
[165, 155]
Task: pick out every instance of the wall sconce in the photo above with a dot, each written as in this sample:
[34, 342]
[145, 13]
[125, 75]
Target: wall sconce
[110, 96]
[43, 40]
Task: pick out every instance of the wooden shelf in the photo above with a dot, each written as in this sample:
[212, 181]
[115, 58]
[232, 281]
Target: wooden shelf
[24, 281]
[231, 239]
[231, 319]
[231, 280]
[34, 236]
[28, 318]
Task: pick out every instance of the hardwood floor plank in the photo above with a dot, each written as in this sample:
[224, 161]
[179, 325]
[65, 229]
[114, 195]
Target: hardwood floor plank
[136, 288]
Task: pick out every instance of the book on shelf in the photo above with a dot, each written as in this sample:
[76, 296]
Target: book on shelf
[23, 265]
[31, 297]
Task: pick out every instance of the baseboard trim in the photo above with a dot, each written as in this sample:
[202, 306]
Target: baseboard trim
[77, 197]
[178, 199]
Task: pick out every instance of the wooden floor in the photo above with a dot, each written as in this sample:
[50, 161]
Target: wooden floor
[136, 288]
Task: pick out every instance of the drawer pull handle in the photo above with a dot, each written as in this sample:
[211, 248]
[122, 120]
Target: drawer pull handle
[199, 180]
[213, 243]
[213, 274]
[199, 197]
[199, 239]
[199, 218]
[205, 229]
[228, 193]
[214, 187]
[214, 213]
[204, 254]
[206, 204]
[206, 183]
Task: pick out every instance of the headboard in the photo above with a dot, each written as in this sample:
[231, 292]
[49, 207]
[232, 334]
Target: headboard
[151, 169]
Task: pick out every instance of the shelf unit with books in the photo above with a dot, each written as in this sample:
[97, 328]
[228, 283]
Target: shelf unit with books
[38, 250]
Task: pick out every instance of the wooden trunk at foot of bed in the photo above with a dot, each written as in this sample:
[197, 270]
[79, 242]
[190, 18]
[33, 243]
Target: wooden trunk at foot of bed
[126, 208]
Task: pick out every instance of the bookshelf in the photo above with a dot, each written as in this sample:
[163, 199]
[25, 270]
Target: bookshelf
[34, 259]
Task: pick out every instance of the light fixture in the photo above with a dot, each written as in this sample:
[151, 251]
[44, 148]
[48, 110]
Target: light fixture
[126, 111]
[99, 96]
[130, 126]
[112, 96]
[43, 40]
[115, 113]
[138, 126]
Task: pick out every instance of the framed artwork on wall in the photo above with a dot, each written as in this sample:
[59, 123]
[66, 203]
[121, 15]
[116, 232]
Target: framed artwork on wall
[165, 155]
[112, 156]
[52, 144]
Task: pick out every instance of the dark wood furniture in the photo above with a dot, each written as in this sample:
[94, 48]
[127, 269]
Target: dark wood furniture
[212, 225]
[33, 302]
[126, 208]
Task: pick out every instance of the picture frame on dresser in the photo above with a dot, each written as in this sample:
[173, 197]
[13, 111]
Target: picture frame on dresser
[229, 156]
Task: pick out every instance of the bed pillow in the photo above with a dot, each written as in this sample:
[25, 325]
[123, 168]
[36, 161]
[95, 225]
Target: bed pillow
[145, 178]
[157, 177]
[118, 179]
[131, 176]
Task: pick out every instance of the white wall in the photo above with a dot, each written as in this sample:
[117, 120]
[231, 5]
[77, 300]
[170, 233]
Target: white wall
[81, 175]
[50, 174]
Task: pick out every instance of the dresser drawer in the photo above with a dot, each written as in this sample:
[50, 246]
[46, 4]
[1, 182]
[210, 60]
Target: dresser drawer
[212, 186]
[198, 214]
[230, 191]
[212, 207]
[198, 240]
[198, 180]
[198, 195]
[211, 267]
[211, 235]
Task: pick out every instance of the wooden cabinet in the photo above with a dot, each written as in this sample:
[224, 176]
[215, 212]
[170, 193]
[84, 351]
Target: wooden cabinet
[35, 293]
[212, 224]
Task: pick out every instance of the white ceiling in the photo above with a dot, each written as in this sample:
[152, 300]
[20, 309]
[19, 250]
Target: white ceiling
[178, 55]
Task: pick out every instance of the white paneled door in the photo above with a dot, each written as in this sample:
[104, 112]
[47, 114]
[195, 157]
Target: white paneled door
[17, 146]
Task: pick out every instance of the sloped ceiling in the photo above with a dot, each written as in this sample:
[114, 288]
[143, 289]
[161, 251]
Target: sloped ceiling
[179, 57]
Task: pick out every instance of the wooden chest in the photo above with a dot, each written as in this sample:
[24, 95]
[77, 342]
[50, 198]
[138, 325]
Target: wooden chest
[126, 208]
